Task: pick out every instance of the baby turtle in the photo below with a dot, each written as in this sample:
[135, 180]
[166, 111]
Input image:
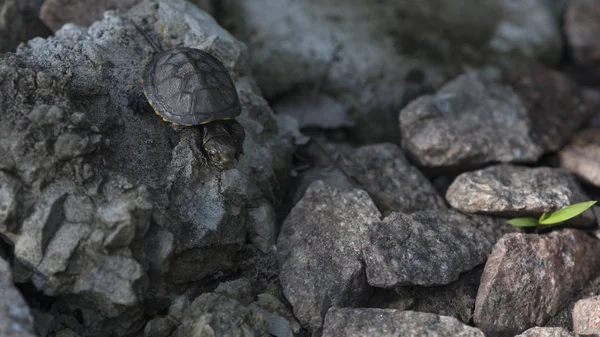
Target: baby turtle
[190, 87]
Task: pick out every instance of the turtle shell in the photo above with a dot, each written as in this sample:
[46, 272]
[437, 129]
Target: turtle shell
[189, 86]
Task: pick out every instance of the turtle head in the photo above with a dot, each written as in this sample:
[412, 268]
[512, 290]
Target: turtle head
[219, 146]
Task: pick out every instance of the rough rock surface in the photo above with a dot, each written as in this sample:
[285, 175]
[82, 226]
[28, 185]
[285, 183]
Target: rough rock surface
[517, 191]
[586, 316]
[528, 278]
[478, 119]
[364, 54]
[19, 22]
[319, 250]
[427, 248]
[392, 182]
[582, 156]
[392, 323]
[101, 199]
[471, 121]
[15, 316]
[546, 332]
[216, 315]
[582, 28]
[556, 105]
[382, 170]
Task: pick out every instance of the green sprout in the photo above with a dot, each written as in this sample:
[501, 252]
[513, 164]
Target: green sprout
[554, 218]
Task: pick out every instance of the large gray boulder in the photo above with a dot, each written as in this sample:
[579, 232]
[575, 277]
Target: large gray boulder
[102, 199]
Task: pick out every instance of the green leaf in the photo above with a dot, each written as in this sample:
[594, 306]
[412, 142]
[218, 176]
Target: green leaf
[544, 217]
[567, 213]
[523, 222]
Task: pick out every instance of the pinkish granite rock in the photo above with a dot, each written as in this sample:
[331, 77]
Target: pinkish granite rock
[582, 156]
[528, 278]
[586, 316]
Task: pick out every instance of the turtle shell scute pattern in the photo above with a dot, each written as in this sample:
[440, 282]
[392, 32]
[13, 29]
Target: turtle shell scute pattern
[189, 86]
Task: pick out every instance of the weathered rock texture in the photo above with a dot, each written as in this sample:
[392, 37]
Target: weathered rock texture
[320, 255]
[392, 182]
[471, 121]
[586, 316]
[517, 191]
[528, 278]
[479, 119]
[101, 199]
[364, 55]
[333, 246]
[392, 323]
[427, 248]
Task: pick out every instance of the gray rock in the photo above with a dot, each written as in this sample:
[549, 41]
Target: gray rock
[392, 323]
[15, 316]
[56, 13]
[9, 202]
[582, 156]
[277, 310]
[581, 26]
[546, 332]
[518, 191]
[586, 316]
[392, 182]
[365, 56]
[471, 121]
[110, 198]
[19, 22]
[556, 105]
[240, 290]
[528, 278]
[277, 325]
[160, 326]
[427, 248]
[319, 249]
[217, 315]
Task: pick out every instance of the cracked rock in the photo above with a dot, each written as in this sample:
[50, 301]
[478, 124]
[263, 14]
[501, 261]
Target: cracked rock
[364, 54]
[427, 248]
[586, 316]
[319, 249]
[528, 278]
[392, 323]
[16, 319]
[517, 191]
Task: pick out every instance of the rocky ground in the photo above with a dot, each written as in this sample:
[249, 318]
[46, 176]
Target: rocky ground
[387, 144]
